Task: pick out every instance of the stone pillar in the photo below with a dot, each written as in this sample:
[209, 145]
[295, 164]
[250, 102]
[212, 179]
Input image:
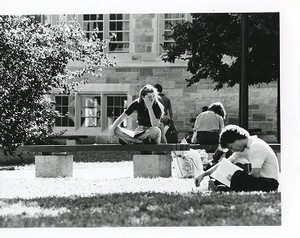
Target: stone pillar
[51, 166]
[159, 165]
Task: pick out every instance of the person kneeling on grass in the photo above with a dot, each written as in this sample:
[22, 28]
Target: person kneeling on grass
[265, 168]
[149, 111]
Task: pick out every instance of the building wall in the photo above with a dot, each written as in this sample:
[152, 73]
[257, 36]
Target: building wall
[143, 65]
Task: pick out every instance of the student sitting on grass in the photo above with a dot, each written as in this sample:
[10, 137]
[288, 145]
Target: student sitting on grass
[265, 169]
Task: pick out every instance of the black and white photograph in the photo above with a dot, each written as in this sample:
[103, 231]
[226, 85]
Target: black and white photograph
[154, 119]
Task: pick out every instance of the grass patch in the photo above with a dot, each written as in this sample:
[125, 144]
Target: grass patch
[144, 209]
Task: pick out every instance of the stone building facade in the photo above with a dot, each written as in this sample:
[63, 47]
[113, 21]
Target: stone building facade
[138, 52]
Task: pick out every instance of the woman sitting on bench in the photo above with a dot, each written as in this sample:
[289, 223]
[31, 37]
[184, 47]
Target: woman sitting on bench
[149, 111]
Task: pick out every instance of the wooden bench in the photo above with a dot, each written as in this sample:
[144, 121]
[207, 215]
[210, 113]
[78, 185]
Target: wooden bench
[149, 161]
[70, 139]
[212, 148]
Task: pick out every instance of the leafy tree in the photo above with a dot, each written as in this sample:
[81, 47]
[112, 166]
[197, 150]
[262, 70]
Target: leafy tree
[34, 60]
[211, 44]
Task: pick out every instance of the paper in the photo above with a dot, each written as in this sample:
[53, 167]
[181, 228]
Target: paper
[224, 172]
[131, 133]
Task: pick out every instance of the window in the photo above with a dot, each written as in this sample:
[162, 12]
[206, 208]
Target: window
[119, 25]
[92, 22]
[116, 105]
[106, 25]
[65, 105]
[169, 21]
[94, 107]
[91, 111]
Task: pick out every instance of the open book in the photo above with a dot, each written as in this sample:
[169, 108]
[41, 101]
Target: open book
[131, 133]
[224, 172]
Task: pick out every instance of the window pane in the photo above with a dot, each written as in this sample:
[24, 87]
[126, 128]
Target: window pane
[119, 24]
[110, 101]
[117, 111]
[119, 47]
[112, 26]
[86, 26]
[64, 111]
[116, 105]
[100, 26]
[168, 44]
[65, 106]
[90, 122]
[95, 25]
[92, 22]
[171, 20]
[65, 101]
[64, 121]
[168, 25]
[58, 121]
[90, 111]
[112, 16]
[59, 109]
[100, 36]
[167, 35]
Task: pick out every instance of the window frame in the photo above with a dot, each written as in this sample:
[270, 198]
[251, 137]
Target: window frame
[161, 28]
[68, 110]
[84, 110]
[106, 32]
[102, 90]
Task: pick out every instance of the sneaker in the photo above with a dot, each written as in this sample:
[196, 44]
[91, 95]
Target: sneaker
[222, 188]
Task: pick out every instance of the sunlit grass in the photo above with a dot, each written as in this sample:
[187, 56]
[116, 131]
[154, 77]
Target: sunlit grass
[144, 209]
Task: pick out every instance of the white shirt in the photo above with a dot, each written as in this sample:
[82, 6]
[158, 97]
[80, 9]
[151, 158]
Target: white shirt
[260, 155]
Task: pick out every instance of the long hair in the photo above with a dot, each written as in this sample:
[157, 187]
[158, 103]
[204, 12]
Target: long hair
[148, 88]
[218, 108]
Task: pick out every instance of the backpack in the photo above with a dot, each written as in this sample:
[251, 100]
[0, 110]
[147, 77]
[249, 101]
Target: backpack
[172, 134]
[188, 164]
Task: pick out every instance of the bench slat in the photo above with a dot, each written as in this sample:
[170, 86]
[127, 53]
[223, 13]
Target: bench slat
[69, 137]
[118, 147]
[104, 147]
[212, 148]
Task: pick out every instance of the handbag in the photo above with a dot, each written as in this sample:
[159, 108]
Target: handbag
[172, 134]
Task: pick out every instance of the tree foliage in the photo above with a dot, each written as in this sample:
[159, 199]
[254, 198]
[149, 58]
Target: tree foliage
[211, 44]
[34, 60]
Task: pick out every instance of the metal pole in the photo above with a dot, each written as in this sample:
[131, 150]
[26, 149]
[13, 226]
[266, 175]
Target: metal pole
[244, 101]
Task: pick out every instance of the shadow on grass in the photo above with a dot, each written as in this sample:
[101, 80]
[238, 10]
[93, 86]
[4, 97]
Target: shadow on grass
[144, 209]
[78, 156]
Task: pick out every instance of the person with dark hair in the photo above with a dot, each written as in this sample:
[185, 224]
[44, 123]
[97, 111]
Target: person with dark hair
[167, 117]
[209, 124]
[204, 108]
[264, 165]
[149, 111]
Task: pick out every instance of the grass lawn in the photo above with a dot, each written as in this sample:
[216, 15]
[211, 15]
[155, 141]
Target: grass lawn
[128, 209]
[144, 209]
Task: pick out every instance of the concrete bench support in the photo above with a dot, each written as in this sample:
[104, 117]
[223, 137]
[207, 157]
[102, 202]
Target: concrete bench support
[51, 166]
[159, 165]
